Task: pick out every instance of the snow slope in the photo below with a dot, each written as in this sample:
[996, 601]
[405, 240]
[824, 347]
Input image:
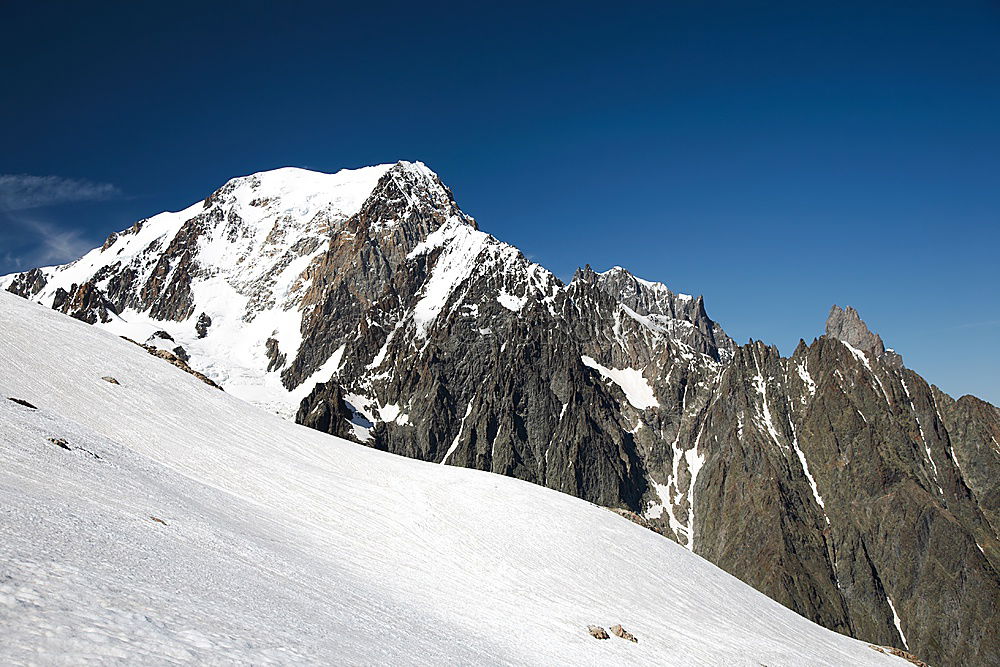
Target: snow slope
[284, 545]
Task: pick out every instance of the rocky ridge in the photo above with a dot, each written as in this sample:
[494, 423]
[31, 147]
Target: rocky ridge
[368, 305]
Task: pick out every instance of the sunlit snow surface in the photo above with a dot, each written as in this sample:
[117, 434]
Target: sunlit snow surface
[633, 384]
[285, 545]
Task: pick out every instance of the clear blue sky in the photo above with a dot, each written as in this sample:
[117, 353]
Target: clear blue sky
[775, 157]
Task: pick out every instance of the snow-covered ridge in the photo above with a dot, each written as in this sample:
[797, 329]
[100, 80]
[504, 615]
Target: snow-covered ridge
[229, 533]
[301, 192]
[467, 251]
[649, 284]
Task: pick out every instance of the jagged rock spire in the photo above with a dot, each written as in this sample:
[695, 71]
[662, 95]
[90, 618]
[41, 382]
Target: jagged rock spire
[846, 325]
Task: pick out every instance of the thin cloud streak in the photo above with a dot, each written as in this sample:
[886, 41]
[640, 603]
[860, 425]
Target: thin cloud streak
[58, 246]
[975, 325]
[24, 191]
[51, 244]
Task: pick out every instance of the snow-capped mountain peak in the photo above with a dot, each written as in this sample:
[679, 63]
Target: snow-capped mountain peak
[284, 279]
[301, 192]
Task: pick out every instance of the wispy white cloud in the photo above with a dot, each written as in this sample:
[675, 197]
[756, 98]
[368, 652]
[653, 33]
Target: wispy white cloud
[31, 240]
[50, 244]
[24, 191]
[57, 245]
[11, 262]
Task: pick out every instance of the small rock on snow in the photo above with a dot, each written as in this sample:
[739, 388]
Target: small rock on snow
[60, 442]
[21, 401]
[619, 631]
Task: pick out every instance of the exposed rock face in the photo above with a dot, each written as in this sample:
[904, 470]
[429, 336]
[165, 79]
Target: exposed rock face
[848, 454]
[275, 356]
[846, 326]
[325, 409]
[84, 302]
[366, 304]
[973, 427]
[29, 283]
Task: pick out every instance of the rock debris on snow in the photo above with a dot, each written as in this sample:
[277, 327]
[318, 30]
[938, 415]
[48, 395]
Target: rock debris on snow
[21, 401]
[618, 631]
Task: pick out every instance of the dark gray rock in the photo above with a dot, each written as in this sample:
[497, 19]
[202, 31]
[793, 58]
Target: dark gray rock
[86, 302]
[325, 409]
[61, 443]
[847, 326]
[201, 327]
[276, 357]
[28, 284]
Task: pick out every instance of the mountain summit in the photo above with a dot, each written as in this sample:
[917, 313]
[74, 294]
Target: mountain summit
[366, 304]
[847, 326]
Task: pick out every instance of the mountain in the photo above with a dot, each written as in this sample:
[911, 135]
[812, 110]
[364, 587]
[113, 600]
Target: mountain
[366, 304]
[149, 518]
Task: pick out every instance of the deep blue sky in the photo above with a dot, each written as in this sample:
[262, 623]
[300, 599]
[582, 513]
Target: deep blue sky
[775, 157]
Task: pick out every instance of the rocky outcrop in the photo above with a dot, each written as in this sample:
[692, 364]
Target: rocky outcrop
[899, 653]
[174, 360]
[85, 302]
[618, 631]
[62, 443]
[847, 326]
[276, 358]
[834, 480]
[325, 409]
[202, 325]
[171, 357]
[28, 284]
